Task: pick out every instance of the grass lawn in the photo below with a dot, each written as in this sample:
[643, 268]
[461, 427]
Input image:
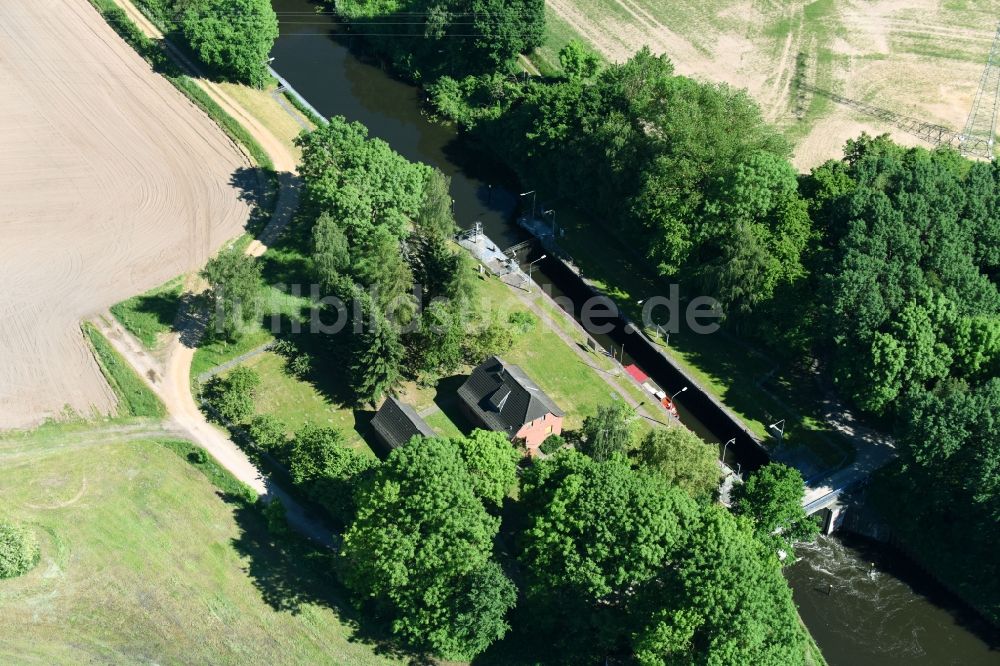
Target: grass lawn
[148, 316]
[264, 108]
[217, 352]
[297, 402]
[134, 397]
[318, 399]
[145, 561]
[574, 384]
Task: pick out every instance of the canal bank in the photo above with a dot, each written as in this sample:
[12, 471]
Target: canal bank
[319, 65]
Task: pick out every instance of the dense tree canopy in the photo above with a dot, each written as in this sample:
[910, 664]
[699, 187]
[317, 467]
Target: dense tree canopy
[597, 531]
[658, 154]
[619, 561]
[492, 464]
[424, 39]
[362, 183]
[419, 552]
[910, 284]
[381, 244]
[233, 37]
[723, 602]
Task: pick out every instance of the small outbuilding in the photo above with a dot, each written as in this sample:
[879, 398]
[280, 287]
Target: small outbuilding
[501, 397]
[396, 423]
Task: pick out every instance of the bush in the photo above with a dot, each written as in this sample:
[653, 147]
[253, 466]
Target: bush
[268, 433]
[522, 321]
[233, 396]
[299, 365]
[198, 457]
[18, 550]
[552, 444]
[284, 348]
[276, 517]
[495, 339]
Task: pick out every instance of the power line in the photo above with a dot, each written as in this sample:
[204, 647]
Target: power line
[980, 129]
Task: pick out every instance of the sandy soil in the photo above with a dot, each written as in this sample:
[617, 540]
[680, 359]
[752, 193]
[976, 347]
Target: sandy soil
[921, 58]
[111, 183]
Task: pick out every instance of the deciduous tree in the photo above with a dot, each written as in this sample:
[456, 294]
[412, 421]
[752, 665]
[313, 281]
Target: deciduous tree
[682, 459]
[419, 553]
[771, 498]
[233, 37]
[610, 431]
[235, 281]
[492, 464]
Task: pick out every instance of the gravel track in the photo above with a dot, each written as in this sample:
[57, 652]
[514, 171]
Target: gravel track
[112, 182]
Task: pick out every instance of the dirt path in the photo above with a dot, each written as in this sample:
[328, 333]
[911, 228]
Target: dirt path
[112, 182]
[171, 378]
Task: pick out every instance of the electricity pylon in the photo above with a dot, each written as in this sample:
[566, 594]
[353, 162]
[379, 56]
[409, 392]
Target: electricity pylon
[980, 129]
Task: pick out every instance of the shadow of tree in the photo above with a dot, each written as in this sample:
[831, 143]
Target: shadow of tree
[291, 573]
[257, 189]
[450, 404]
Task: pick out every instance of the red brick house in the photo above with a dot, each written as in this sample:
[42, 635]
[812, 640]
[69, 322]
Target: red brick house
[501, 397]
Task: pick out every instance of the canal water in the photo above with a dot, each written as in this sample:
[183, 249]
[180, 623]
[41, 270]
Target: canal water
[879, 617]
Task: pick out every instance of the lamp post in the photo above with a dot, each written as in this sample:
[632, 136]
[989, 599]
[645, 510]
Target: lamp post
[781, 430]
[659, 328]
[533, 195]
[551, 212]
[724, 449]
[530, 266]
[678, 393]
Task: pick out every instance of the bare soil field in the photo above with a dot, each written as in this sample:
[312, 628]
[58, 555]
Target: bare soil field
[111, 183]
[921, 58]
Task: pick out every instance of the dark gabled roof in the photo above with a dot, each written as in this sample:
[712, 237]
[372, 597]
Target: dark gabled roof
[504, 396]
[397, 423]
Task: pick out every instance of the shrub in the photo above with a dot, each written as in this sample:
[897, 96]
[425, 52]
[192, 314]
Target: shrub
[522, 321]
[552, 444]
[276, 517]
[198, 457]
[299, 365]
[233, 396]
[284, 348]
[268, 433]
[18, 550]
[495, 339]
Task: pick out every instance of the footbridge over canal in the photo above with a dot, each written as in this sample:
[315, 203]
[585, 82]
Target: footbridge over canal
[824, 494]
